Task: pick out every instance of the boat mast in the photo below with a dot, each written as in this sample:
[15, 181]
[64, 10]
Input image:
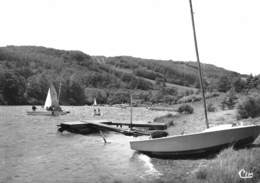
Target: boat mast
[198, 60]
[59, 92]
[131, 111]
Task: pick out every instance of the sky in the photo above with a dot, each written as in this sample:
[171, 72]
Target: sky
[228, 32]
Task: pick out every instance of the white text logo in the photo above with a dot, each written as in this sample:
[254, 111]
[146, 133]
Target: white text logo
[243, 174]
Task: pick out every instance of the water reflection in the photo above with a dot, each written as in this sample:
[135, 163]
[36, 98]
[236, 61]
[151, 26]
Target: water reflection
[142, 160]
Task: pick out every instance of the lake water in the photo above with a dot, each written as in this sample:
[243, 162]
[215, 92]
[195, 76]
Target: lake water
[31, 150]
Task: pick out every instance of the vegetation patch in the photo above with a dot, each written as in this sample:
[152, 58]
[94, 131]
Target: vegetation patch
[211, 108]
[196, 97]
[186, 109]
[166, 119]
[159, 133]
[249, 106]
[28, 71]
[226, 166]
[229, 101]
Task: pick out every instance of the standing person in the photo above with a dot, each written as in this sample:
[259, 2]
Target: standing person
[34, 108]
[52, 109]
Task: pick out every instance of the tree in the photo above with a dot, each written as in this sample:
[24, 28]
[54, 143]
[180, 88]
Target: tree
[229, 100]
[238, 84]
[160, 82]
[37, 87]
[251, 82]
[118, 97]
[224, 84]
[73, 93]
[13, 88]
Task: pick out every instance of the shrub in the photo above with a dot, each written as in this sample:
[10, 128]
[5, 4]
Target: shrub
[238, 84]
[249, 107]
[224, 84]
[196, 97]
[159, 133]
[187, 109]
[211, 108]
[201, 174]
[229, 101]
[190, 98]
[166, 119]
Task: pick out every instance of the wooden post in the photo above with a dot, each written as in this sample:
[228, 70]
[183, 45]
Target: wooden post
[131, 112]
[59, 92]
[102, 135]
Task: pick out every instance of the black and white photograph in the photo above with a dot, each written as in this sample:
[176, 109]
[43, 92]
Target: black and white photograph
[129, 91]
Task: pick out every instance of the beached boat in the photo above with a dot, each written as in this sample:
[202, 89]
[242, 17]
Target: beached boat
[51, 105]
[198, 144]
[210, 140]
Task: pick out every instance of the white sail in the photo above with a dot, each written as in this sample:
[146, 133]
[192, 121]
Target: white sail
[54, 98]
[95, 102]
[48, 101]
[51, 99]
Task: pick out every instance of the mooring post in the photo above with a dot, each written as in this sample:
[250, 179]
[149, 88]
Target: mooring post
[102, 135]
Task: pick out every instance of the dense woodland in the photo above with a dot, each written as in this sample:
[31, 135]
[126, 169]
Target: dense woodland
[26, 73]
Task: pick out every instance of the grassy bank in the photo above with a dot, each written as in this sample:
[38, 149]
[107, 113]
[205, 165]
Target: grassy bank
[225, 166]
[195, 122]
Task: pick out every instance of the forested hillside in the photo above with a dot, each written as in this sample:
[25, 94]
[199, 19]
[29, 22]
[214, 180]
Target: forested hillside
[27, 71]
[176, 72]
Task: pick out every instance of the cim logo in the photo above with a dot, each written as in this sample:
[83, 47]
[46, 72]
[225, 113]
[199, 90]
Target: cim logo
[243, 174]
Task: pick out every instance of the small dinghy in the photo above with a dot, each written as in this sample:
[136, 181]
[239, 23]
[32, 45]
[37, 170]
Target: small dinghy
[51, 105]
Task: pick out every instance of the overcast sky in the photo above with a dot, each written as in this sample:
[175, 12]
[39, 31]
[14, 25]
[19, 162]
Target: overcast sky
[228, 31]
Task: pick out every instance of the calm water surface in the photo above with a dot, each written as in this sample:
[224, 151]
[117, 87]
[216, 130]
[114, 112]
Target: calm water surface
[31, 150]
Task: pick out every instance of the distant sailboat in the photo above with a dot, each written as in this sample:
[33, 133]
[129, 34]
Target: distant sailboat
[51, 105]
[48, 100]
[97, 111]
[95, 102]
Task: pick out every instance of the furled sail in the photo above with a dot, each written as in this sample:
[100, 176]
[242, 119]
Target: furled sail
[54, 97]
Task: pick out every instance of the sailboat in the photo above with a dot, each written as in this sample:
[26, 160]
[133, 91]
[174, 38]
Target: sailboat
[97, 111]
[198, 144]
[51, 105]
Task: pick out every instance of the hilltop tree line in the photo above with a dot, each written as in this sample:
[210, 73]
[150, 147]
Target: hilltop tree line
[153, 70]
[239, 84]
[26, 73]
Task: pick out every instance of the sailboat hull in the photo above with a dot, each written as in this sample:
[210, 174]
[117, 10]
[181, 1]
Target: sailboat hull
[46, 113]
[198, 143]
